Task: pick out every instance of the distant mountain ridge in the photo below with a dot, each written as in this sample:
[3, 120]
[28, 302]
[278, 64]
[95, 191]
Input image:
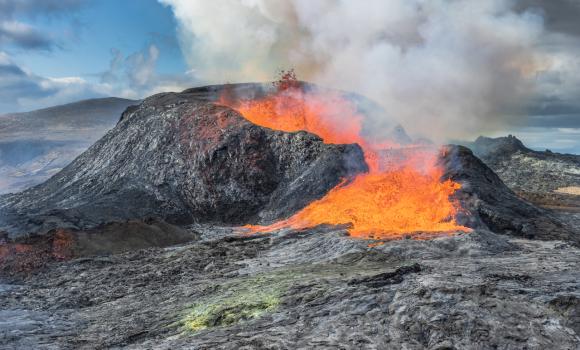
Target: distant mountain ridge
[55, 122]
[487, 146]
[35, 145]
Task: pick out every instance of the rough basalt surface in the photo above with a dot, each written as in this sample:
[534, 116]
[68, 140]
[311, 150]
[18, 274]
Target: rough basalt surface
[313, 289]
[487, 202]
[526, 170]
[182, 159]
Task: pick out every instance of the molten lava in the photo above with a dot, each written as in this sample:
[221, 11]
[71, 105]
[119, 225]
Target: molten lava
[391, 200]
[382, 205]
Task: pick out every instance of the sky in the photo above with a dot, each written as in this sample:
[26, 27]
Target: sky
[59, 51]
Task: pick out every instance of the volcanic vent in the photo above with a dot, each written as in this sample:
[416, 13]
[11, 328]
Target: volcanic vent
[395, 197]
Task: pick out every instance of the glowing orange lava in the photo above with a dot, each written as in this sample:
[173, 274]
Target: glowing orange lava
[391, 200]
[382, 205]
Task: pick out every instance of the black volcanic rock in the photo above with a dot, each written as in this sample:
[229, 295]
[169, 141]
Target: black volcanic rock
[312, 289]
[489, 203]
[182, 159]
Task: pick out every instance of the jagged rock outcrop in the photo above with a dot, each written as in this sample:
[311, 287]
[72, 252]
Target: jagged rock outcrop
[491, 148]
[183, 159]
[487, 201]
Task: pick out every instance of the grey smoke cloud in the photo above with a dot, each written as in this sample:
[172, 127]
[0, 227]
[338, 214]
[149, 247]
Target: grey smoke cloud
[444, 69]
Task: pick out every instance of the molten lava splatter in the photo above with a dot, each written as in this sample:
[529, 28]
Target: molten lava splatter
[36, 252]
[394, 199]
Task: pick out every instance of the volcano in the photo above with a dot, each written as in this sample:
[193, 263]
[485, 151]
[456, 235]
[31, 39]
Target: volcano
[238, 154]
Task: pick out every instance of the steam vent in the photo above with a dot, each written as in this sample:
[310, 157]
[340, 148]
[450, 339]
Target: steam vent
[244, 216]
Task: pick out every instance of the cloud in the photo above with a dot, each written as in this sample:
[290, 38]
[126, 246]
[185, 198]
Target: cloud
[136, 75]
[16, 83]
[553, 112]
[556, 101]
[130, 75]
[141, 67]
[10, 8]
[23, 35]
[23, 90]
[14, 32]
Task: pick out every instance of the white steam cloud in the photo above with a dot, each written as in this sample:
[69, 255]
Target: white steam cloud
[443, 68]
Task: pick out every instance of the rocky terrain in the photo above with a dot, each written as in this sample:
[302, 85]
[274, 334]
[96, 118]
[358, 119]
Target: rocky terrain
[490, 204]
[312, 289]
[36, 145]
[545, 178]
[135, 245]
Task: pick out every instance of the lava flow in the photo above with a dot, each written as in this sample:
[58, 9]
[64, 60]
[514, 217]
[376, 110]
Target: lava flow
[389, 201]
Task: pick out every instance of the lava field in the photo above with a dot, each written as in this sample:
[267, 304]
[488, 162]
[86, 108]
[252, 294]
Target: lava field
[243, 217]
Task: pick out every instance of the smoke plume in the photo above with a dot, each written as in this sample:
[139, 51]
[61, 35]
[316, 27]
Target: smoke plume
[442, 68]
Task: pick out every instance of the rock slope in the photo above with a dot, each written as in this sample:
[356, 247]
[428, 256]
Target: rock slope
[488, 202]
[525, 170]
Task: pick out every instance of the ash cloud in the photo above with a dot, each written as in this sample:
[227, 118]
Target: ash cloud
[444, 69]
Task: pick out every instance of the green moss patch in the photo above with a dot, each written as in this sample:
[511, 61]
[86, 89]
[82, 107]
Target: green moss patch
[247, 299]
[230, 311]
